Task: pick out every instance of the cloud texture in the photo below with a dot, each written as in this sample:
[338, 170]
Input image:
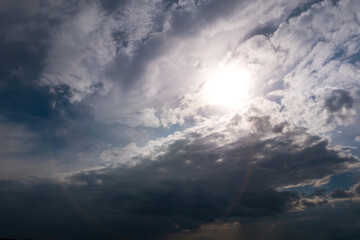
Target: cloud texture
[108, 129]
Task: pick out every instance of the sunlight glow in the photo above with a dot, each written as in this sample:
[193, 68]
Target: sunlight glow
[227, 86]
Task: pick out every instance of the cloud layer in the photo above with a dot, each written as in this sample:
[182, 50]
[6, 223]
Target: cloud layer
[108, 130]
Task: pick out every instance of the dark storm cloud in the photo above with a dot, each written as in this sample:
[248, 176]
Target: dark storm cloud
[145, 208]
[292, 167]
[323, 216]
[194, 182]
[39, 204]
[334, 223]
[326, 223]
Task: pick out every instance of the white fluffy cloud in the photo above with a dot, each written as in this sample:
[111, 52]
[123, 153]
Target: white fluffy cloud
[79, 51]
[119, 54]
[310, 44]
[137, 61]
[145, 65]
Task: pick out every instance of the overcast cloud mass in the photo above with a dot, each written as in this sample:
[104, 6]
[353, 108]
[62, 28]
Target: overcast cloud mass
[180, 119]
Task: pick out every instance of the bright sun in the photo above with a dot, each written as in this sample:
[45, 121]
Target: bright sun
[227, 86]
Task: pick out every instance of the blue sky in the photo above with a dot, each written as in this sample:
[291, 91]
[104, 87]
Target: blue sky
[164, 119]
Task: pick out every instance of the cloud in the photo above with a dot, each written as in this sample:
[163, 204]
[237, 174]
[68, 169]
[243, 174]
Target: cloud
[16, 139]
[25, 37]
[309, 65]
[127, 57]
[340, 193]
[338, 100]
[33, 23]
[195, 178]
[338, 104]
[17, 143]
[127, 80]
[283, 59]
[146, 117]
[93, 51]
[211, 231]
[354, 191]
[321, 223]
[180, 183]
[80, 48]
[290, 153]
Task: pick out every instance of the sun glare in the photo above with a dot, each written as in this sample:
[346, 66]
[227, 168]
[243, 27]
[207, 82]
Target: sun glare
[227, 86]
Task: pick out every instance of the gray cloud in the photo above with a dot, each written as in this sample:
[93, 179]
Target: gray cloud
[338, 100]
[341, 193]
[338, 103]
[15, 138]
[124, 83]
[320, 223]
[195, 181]
[353, 191]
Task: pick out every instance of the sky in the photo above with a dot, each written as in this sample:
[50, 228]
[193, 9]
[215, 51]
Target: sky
[180, 119]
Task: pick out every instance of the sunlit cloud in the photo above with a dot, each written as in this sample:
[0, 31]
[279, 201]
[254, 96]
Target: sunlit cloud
[179, 119]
